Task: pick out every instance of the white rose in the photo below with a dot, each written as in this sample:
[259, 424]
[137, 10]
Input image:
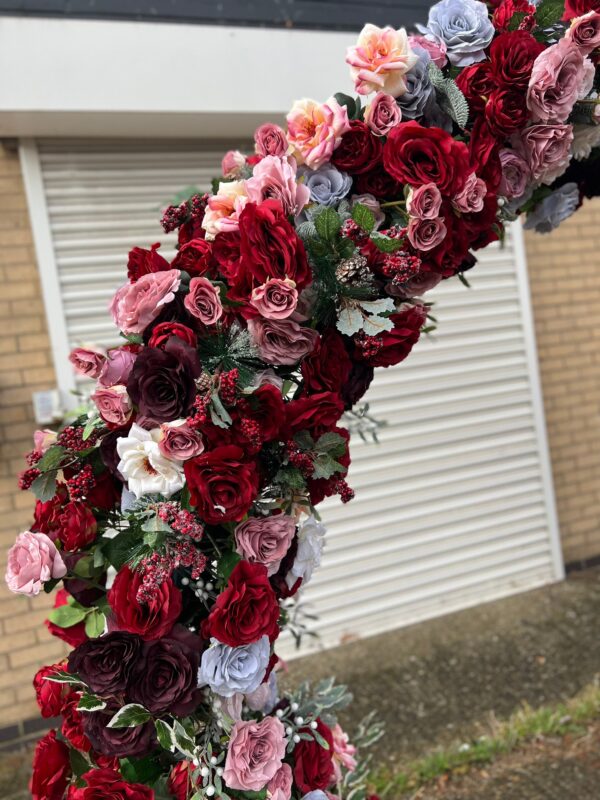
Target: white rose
[310, 550]
[144, 467]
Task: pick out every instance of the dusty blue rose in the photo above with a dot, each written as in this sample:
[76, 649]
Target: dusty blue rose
[317, 794]
[554, 209]
[327, 185]
[228, 670]
[419, 90]
[465, 28]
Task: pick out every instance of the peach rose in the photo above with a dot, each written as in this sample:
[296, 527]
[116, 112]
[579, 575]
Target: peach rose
[316, 129]
[380, 60]
[224, 208]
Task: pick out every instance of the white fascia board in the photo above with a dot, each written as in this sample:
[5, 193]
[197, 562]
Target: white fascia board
[90, 78]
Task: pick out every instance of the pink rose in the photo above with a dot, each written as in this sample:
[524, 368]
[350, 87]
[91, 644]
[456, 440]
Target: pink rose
[380, 60]
[88, 361]
[135, 305]
[382, 114]
[117, 366]
[32, 561]
[516, 175]
[471, 196]
[254, 754]
[232, 164]
[178, 441]
[265, 540]
[270, 140]
[275, 177]
[546, 149]
[436, 48]
[425, 234]
[223, 209]
[559, 76]
[204, 301]
[280, 785]
[113, 404]
[343, 752]
[372, 203]
[42, 440]
[585, 32]
[275, 299]
[416, 286]
[282, 341]
[424, 202]
[316, 129]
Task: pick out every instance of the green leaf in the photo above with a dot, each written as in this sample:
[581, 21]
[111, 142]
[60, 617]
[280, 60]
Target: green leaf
[304, 440]
[328, 224]
[164, 734]
[95, 624]
[227, 564]
[331, 443]
[79, 763]
[64, 677]
[183, 742]
[385, 243]
[90, 425]
[118, 549]
[89, 702]
[364, 217]
[290, 477]
[84, 567]
[141, 770]
[130, 716]
[349, 103]
[51, 459]
[67, 616]
[516, 19]
[325, 467]
[44, 486]
[549, 12]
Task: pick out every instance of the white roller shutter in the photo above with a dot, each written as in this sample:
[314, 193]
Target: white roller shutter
[455, 506]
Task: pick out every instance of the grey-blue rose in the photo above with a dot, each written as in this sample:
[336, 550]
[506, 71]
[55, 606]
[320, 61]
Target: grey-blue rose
[554, 209]
[465, 28]
[228, 670]
[419, 90]
[317, 794]
[327, 185]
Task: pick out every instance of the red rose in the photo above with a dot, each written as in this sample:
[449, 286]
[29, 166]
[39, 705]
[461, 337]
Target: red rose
[484, 150]
[50, 695]
[270, 248]
[180, 780]
[76, 633]
[577, 8]
[192, 229]
[359, 151]
[476, 82]
[163, 332]
[222, 484]
[315, 413]
[106, 784]
[72, 724]
[150, 620]
[328, 367]
[194, 257]
[379, 183]
[246, 609]
[77, 526]
[506, 112]
[313, 764]
[512, 55]
[266, 407]
[51, 769]
[417, 155]
[506, 11]
[226, 252]
[397, 343]
[46, 514]
[141, 262]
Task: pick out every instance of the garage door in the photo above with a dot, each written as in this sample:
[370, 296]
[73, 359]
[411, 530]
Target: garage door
[454, 506]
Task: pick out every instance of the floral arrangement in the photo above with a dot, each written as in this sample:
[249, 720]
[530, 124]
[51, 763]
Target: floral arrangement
[180, 512]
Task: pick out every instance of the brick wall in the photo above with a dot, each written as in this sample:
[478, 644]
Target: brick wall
[564, 273]
[25, 367]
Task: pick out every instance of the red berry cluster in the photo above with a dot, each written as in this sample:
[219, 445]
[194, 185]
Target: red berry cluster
[81, 485]
[71, 438]
[300, 459]
[33, 457]
[201, 415]
[401, 267]
[27, 477]
[368, 345]
[181, 520]
[158, 567]
[345, 492]
[350, 230]
[175, 216]
[228, 386]
[252, 432]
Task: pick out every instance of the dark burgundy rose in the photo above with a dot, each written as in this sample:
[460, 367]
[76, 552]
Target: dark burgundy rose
[313, 764]
[107, 784]
[105, 664]
[81, 589]
[51, 769]
[165, 677]
[506, 112]
[194, 257]
[119, 742]
[512, 55]
[278, 580]
[397, 343]
[359, 151]
[142, 262]
[162, 382]
[108, 453]
[328, 367]
[246, 609]
[316, 413]
[358, 382]
[379, 183]
[476, 82]
[222, 484]
[77, 526]
[149, 620]
[105, 493]
[163, 332]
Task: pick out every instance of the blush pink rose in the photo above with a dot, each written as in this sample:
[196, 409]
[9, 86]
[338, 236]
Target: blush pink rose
[88, 361]
[280, 785]
[560, 75]
[232, 164]
[270, 140]
[113, 404]
[178, 441]
[471, 196]
[546, 149]
[282, 341]
[275, 178]
[382, 114]
[424, 202]
[585, 32]
[343, 752]
[223, 209]
[265, 540]
[316, 129]
[32, 561]
[42, 440]
[380, 60]
[516, 175]
[254, 754]
[425, 234]
[436, 48]
[117, 366]
[203, 301]
[135, 305]
[275, 299]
